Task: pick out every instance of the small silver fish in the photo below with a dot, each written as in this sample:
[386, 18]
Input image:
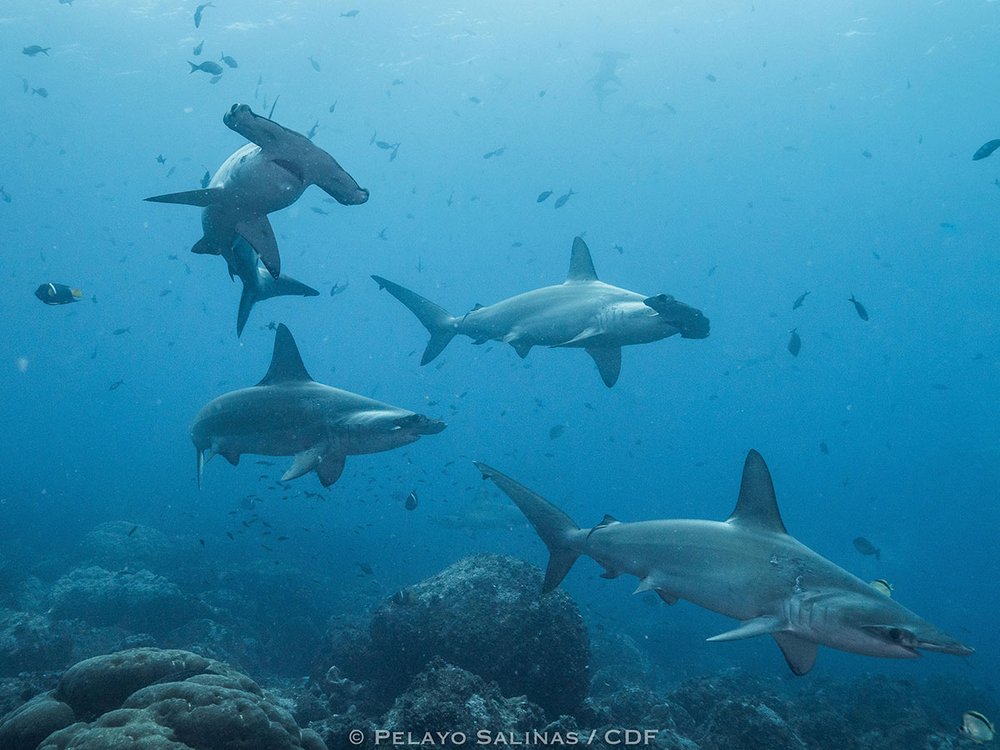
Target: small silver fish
[206, 67]
[198, 48]
[977, 727]
[411, 501]
[229, 61]
[882, 586]
[862, 312]
[561, 200]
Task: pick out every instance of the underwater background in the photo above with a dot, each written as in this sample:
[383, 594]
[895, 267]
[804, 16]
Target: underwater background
[738, 155]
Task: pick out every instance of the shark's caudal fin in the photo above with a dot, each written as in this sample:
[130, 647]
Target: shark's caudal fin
[257, 287]
[581, 265]
[201, 198]
[439, 322]
[553, 526]
[286, 362]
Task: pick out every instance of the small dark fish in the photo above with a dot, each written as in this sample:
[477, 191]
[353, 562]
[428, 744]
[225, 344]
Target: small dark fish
[940, 387]
[621, 251]
[169, 173]
[475, 100]
[205, 179]
[795, 343]
[556, 431]
[339, 288]
[381, 234]
[333, 107]
[411, 501]
[543, 196]
[315, 65]
[114, 387]
[35, 49]
[986, 149]
[198, 48]
[865, 547]
[350, 13]
[711, 78]
[229, 61]
[365, 568]
[206, 67]
[561, 200]
[321, 211]
[58, 294]
[41, 91]
[384, 145]
[120, 331]
[494, 152]
[867, 154]
[312, 131]
[862, 312]
[197, 18]
[161, 159]
[201, 542]
[799, 300]
[215, 79]
[132, 530]
[5, 195]
[824, 448]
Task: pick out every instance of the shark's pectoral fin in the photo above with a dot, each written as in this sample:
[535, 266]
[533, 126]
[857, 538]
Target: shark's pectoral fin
[201, 198]
[666, 597]
[304, 462]
[205, 247]
[765, 625]
[610, 573]
[584, 335]
[799, 653]
[330, 469]
[258, 232]
[609, 362]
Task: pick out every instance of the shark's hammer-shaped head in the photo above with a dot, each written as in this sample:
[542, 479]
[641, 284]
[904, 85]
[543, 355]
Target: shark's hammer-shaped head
[878, 626]
[255, 128]
[690, 321]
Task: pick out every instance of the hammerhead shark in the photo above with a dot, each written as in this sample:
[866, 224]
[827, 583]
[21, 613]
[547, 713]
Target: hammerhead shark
[289, 414]
[265, 175]
[258, 284]
[746, 567]
[582, 312]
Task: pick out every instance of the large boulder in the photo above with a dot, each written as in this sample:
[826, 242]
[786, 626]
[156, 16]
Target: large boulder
[136, 600]
[154, 700]
[484, 614]
[32, 642]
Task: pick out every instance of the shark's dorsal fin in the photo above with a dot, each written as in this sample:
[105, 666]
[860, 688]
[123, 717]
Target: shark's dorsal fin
[286, 363]
[581, 266]
[757, 506]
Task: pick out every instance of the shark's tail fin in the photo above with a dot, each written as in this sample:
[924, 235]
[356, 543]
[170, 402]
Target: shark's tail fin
[259, 287]
[438, 321]
[554, 527]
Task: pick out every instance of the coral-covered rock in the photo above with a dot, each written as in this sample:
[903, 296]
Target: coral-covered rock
[32, 642]
[444, 698]
[136, 600]
[485, 614]
[155, 700]
[27, 726]
[117, 544]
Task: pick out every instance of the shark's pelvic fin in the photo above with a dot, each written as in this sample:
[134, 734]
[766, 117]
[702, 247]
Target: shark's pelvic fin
[800, 654]
[286, 362]
[258, 232]
[441, 325]
[553, 526]
[757, 506]
[609, 362]
[201, 198]
[581, 265]
[521, 345]
[752, 628]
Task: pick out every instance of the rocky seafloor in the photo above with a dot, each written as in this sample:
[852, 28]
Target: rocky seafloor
[144, 653]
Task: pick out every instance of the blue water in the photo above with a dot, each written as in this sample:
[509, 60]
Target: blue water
[751, 153]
